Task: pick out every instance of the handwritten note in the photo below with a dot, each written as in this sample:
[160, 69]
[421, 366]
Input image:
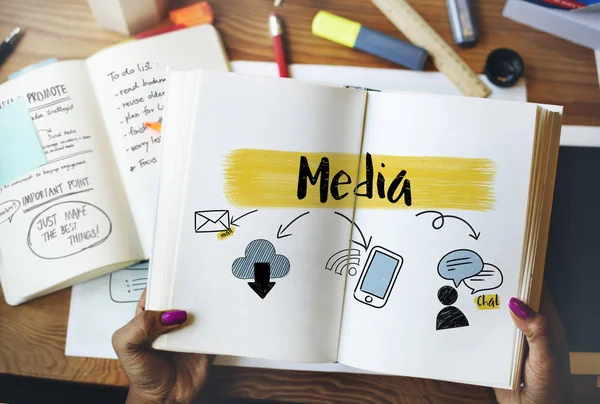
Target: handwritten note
[134, 90]
[130, 82]
[139, 91]
[68, 215]
[68, 228]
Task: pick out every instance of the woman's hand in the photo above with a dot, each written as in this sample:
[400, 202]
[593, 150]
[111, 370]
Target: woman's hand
[158, 376]
[546, 372]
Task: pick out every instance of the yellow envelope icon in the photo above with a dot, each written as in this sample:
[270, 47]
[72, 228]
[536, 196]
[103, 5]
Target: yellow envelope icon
[211, 221]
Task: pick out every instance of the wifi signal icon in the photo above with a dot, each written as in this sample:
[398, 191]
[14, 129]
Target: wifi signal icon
[348, 260]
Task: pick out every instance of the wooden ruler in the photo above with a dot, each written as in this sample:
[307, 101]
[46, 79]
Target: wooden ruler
[416, 29]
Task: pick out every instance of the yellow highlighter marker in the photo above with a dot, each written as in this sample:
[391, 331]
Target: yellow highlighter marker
[354, 35]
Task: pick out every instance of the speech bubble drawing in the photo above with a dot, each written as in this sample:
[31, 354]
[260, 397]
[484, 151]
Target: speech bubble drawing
[489, 278]
[8, 210]
[459, 265]
[127, 285]
[68, 228]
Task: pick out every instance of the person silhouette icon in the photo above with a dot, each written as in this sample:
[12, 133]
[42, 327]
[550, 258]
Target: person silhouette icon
[449, 317]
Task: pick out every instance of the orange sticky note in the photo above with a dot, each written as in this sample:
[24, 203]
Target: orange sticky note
[154, 126]
[196, 14]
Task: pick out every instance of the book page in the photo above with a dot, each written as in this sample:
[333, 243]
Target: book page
[129, 80]
[261, 251]
[70, 216]
[448, 180]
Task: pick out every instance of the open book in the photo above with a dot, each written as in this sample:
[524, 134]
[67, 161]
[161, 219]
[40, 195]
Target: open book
[90, 209]
[384, 231]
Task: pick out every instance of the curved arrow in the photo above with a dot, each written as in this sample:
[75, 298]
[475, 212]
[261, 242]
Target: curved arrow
[244, 215]
[281, 231]
[441, 217]
[364, 244]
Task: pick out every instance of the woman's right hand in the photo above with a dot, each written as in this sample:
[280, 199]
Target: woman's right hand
[546, 373]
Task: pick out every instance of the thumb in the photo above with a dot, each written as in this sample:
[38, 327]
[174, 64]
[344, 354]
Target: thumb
[145, 327]
[534, 326]
[537, 331]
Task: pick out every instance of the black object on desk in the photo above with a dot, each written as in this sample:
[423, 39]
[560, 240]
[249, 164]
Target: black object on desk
[504, 67]
[9, 43]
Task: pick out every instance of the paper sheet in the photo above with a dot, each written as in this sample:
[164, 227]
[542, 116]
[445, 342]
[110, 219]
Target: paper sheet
[129, 82]
[92, 299]
[110, 301]
[378, 79]
[69, 217]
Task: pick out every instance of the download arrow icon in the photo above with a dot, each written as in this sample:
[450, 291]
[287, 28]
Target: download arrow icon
[262, 284]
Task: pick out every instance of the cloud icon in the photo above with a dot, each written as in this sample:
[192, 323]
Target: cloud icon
[264, 252]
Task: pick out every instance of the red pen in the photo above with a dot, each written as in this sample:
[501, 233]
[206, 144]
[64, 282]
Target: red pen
[277, 35]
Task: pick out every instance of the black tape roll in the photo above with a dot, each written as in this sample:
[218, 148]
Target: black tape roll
[504, 67]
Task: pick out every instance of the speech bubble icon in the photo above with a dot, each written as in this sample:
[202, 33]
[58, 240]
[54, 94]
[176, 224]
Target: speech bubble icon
[459, 265]
[489, 278]
[68, 228]
[8, 210]
[127, 285]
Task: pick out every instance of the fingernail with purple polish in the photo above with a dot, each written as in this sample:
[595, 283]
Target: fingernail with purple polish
[173, 317]
[522, 310]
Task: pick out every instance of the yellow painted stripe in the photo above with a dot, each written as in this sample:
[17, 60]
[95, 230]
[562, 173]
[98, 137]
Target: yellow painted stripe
[335, 28]
[269, 178]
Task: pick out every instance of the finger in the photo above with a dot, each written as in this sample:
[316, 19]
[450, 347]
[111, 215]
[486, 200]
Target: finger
[141, 306]
[541, 365]
[534, 326]
[145, 328]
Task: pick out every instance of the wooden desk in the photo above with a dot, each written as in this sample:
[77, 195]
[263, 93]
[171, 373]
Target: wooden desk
[32, 336]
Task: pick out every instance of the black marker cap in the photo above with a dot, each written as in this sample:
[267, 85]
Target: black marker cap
[504, 67]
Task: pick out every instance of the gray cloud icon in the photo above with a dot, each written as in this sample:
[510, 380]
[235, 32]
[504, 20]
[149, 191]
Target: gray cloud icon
[260, 251]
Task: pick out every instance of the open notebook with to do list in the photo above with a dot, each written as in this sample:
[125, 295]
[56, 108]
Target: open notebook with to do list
[90, 209]
[384, 231]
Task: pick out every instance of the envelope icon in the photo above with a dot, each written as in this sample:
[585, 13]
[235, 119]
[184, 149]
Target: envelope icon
[211, 221]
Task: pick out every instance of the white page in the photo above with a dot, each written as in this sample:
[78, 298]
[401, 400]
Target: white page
[401, 337]
[117, 294]
[580, 136]
[378, 79]
[299, 319]
[129, 81]
[80, 175]
[85, 339]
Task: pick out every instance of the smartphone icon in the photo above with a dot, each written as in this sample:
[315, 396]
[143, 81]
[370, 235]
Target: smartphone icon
[378, 277]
